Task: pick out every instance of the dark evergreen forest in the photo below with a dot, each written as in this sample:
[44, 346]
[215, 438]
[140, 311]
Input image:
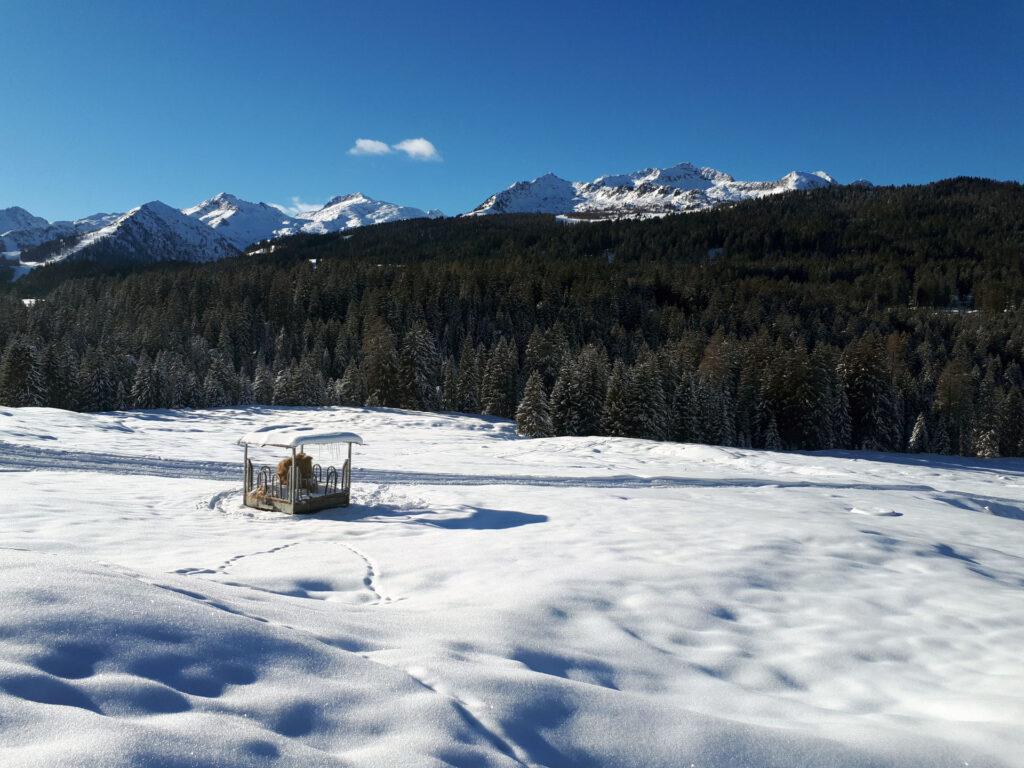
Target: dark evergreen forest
[878, 318]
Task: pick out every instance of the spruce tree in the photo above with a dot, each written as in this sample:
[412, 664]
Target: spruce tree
[450, 400]
[683, 426]
[15, 370]
[145, 388]
[351, 388]
[772, 441]
[533, 416]
[617, 418]
[380, 366]
[468, 380]
[498, 392]
[263, 385]
[919, 436]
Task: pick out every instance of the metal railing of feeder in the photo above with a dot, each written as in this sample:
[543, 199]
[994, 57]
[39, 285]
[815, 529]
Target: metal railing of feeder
[323, 481]
[326, 481]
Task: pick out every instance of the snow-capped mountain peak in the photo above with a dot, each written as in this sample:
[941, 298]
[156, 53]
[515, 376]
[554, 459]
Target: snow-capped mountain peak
[152, 232]
[649, 192]
[243, 223]
[357, 210]
[15, 217]
[802, 180]
[240, 222]
[24, 238]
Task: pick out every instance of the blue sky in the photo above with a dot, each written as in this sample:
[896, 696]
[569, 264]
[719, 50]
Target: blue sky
[104, 105]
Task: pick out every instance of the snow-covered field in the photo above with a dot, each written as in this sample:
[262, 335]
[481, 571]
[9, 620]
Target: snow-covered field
[489, 601]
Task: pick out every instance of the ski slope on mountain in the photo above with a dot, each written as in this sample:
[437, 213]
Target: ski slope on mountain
[494, 601]
[29, 237]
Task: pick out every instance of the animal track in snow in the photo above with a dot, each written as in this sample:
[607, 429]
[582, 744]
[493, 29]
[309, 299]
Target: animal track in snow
[369, 580]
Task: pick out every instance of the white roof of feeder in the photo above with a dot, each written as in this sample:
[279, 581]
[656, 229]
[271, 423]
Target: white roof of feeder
[292, 437]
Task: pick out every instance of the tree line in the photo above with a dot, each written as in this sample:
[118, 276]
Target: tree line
[886, 319]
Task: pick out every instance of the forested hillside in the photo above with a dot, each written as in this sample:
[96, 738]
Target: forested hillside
[851, 317]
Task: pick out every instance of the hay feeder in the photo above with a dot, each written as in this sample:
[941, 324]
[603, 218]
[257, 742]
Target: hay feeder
[297, 484]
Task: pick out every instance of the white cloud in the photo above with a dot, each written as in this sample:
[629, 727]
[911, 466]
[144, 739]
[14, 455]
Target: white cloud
[297, 206]
[369, 147]
[418, 149]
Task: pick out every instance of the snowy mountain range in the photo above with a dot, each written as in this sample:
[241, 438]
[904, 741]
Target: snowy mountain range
[681, 188]
[151, 232]
[243, 223]
[358, 210]
[225, 225]
[41, 231]
[221, 226]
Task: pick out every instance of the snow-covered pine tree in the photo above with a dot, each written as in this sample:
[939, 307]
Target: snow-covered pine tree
[449, 386]
[772, 441]
[245, 396]
[682, 416]
[1011, 420]
[220, 383]
[938, 437]
[38, 385]
[706, 409]
[285, 389]
[591, 366]
[647, 408]
[97, 386]
[498, 392]
[420, 369]
[986, 442]
[145, 387]
[62, 374]
[468, 378]
[310, 384]
[380, 365]
[263, 385]
[533, 416]
[351, 388]
[15, 369]
[616, 418]
[919, 436]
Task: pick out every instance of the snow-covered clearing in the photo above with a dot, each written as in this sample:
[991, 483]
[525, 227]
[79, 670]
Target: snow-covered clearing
[489, 601]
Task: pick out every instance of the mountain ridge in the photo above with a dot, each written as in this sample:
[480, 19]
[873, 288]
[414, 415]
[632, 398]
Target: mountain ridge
[156, 232]
[681, 188]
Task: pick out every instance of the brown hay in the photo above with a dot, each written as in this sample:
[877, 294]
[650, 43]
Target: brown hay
[283, 468]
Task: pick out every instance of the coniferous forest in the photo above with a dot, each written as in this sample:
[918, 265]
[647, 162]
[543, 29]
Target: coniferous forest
[853, 317]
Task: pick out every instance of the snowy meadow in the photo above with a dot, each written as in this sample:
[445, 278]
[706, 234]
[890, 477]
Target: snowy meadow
[494, 601]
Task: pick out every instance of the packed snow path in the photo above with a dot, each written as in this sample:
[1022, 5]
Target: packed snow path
[494, 601]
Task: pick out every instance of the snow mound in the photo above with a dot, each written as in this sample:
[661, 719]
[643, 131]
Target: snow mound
[123, 672]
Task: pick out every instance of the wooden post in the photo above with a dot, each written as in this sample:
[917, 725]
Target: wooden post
[245, 474]
[291, 479]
